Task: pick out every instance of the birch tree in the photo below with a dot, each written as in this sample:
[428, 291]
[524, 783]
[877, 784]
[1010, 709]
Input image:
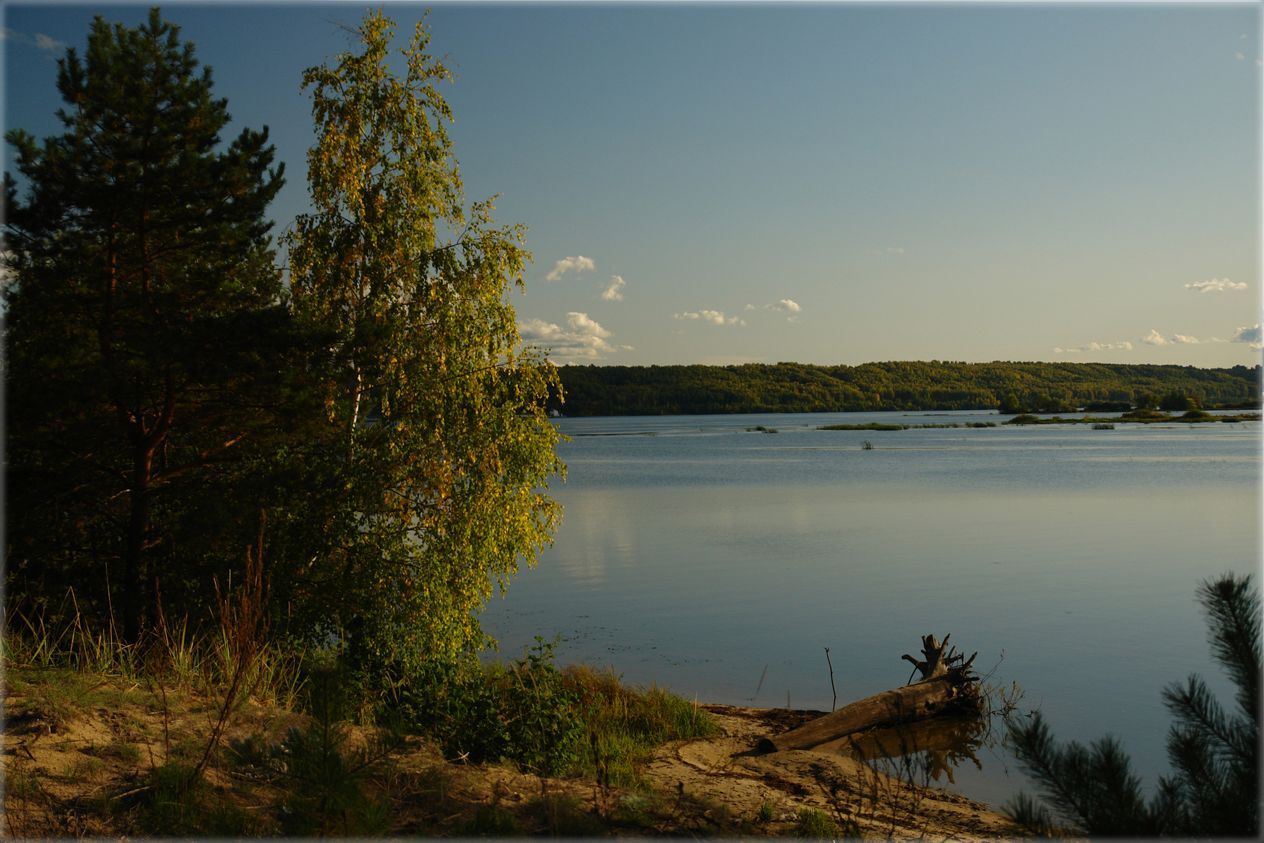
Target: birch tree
[427, 482]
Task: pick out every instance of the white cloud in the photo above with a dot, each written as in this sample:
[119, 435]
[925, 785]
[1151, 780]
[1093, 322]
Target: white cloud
[614, 290]
[1239, 56]
[887, 250]
[711, 317]
[582, 338]
[1216, 285]
[1122, 345]
[1155, 338]
[1249, 335]
[788, 306]
[39, 40]
[47, 43]
[577, 264]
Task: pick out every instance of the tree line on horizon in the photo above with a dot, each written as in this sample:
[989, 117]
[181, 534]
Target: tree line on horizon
[1019, 387]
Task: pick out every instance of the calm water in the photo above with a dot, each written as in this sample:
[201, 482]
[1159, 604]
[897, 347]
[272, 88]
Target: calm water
[701, 556]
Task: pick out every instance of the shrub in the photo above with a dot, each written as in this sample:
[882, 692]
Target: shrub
[522, 713]
[816, 825]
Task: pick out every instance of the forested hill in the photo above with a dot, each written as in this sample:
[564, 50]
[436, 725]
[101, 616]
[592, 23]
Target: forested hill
[934, 385]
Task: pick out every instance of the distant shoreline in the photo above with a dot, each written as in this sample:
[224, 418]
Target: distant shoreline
[909, 386]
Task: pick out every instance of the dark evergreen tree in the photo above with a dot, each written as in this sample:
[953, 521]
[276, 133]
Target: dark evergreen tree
[1214, 791]
[142, 278]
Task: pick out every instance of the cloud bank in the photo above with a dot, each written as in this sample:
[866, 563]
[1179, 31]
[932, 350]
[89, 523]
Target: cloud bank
[582, 338]
[577, 264]
[1216, 285]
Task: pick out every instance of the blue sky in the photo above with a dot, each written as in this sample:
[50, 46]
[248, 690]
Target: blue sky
[823, 183]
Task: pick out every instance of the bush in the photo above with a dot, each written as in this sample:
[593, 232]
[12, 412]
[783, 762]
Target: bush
[816, 825]
[573, 722]
[522, 714]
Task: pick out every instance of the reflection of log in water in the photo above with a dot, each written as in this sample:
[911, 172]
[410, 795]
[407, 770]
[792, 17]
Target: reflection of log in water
[946, 742]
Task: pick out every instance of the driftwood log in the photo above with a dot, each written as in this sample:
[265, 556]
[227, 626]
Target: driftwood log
[946, 686]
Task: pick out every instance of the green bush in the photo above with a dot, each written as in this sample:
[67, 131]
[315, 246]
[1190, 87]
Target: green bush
[577, 722]
[816, 825]
[522, 713]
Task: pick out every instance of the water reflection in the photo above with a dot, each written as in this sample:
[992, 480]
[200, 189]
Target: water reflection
[934, 747]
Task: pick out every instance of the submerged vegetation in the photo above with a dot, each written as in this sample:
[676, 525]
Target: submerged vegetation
[1138, 417]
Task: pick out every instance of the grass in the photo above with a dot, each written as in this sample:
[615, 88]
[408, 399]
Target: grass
[816, 825]
[624, 725]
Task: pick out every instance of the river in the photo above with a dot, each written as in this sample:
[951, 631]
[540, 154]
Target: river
[706, 556]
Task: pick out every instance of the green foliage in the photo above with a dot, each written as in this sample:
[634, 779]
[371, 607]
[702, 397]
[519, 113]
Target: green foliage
[521, 714]
[140, 242]
[1215, 755]
[423, 479]
[378, 409]
[816, 825]
[181, 804]
[1010, 405]
[573, 722]
[326, 775]
[624, 725]
[1179, 401]
[897, 385]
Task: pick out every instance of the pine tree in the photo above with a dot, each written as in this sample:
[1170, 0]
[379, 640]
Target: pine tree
[1214, 791]
[142, 276]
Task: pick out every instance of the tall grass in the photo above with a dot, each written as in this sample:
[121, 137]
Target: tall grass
[624, 725]
[171, 653]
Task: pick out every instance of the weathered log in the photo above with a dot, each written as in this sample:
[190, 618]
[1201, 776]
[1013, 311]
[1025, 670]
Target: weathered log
[947, 686]
[941, 659]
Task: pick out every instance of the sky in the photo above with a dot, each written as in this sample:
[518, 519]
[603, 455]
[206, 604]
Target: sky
[822, 183]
